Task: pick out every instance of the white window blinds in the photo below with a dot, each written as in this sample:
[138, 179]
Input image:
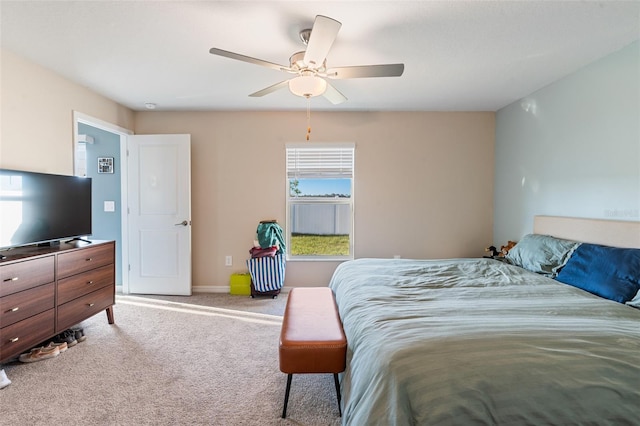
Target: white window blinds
[320, 160]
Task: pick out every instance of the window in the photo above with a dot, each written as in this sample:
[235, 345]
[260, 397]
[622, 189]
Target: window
[320, 201]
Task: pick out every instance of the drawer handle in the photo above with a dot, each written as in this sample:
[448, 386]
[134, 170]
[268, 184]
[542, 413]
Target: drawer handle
[15, 339]
[14, 309]
[90, 304]
[11, 279]
[88, 259]
[89, 282]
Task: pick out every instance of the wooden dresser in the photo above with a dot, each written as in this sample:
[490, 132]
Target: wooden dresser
[46, 290]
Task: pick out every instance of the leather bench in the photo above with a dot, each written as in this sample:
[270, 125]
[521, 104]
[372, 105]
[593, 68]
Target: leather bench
[312, 339]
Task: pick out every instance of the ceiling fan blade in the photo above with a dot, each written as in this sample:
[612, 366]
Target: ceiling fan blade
[248, 59]
[322, 36]
[363, 71]
[270, 89]
[333, 95]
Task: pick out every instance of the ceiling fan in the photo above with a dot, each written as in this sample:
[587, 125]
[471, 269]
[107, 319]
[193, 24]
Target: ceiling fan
[310, 65]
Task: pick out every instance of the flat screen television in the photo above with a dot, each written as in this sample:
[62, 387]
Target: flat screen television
[41, 208]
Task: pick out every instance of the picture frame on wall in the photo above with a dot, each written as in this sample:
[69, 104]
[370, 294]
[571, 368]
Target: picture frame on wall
[105, 164]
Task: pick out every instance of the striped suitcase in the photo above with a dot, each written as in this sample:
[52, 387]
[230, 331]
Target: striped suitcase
[267, 275]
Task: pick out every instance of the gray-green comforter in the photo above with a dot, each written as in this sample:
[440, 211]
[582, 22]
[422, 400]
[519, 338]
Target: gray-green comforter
[477, 341]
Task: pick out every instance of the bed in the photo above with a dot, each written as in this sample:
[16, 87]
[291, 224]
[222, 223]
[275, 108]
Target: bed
[482, 341]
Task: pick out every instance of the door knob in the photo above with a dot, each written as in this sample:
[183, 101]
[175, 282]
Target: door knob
[183, 223]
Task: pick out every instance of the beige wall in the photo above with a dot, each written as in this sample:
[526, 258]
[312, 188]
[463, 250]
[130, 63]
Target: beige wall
[36, 116]
[423, 186]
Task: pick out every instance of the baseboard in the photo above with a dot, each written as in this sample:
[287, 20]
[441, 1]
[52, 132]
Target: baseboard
[220, 289]
[210, 289]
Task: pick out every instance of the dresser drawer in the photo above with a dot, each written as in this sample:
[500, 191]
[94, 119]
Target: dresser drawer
[86, 259]
[24, 335]
[71, 313]
[20, 276]
[24, 304]
[81, 284]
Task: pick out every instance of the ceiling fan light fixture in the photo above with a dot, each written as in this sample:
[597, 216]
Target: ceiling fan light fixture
[307, 86]
[309, 67]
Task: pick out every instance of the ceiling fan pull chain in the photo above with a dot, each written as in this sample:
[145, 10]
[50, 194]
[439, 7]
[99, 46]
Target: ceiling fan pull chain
[308, 117]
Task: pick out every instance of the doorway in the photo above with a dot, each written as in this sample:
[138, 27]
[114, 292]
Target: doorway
[98, 150]
[102, 151]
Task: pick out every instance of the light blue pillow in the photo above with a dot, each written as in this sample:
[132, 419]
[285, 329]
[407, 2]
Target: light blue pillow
[542, 254]
[635, 302]
[609, 272]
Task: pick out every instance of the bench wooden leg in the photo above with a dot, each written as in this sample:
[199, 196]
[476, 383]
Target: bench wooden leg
[335, 379]
[286, 395]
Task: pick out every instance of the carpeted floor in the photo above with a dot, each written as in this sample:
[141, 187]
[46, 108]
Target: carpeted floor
[207, 359]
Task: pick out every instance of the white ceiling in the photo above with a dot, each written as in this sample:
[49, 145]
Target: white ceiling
[458, 55]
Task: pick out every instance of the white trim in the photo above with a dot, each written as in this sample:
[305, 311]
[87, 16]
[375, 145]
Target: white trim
[100, 124]
[320, 145]
[79, 117]
[223, 289]
[315, 165]
[210, 289]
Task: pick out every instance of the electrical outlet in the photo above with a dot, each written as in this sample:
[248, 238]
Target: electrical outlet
[396, 256]
[228, 261]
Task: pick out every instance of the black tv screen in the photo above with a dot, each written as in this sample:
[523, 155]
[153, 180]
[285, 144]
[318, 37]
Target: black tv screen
[41, 208]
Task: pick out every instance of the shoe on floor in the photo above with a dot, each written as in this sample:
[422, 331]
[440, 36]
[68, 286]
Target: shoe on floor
[66, 336]
[79, 334]
[4, 380]
[39, 354]
[61, 346]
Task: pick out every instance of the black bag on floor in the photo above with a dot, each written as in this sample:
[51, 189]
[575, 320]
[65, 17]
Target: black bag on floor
[270, 293]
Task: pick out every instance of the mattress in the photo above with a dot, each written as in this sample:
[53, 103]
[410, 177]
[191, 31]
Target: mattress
[478, 341]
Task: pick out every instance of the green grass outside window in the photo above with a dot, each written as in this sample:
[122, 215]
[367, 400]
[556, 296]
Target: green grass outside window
[319, 245]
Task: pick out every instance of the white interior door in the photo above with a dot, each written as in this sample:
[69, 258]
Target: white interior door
[159, 168]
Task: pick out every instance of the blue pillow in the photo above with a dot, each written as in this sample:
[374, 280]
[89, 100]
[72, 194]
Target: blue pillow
[609, 272]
